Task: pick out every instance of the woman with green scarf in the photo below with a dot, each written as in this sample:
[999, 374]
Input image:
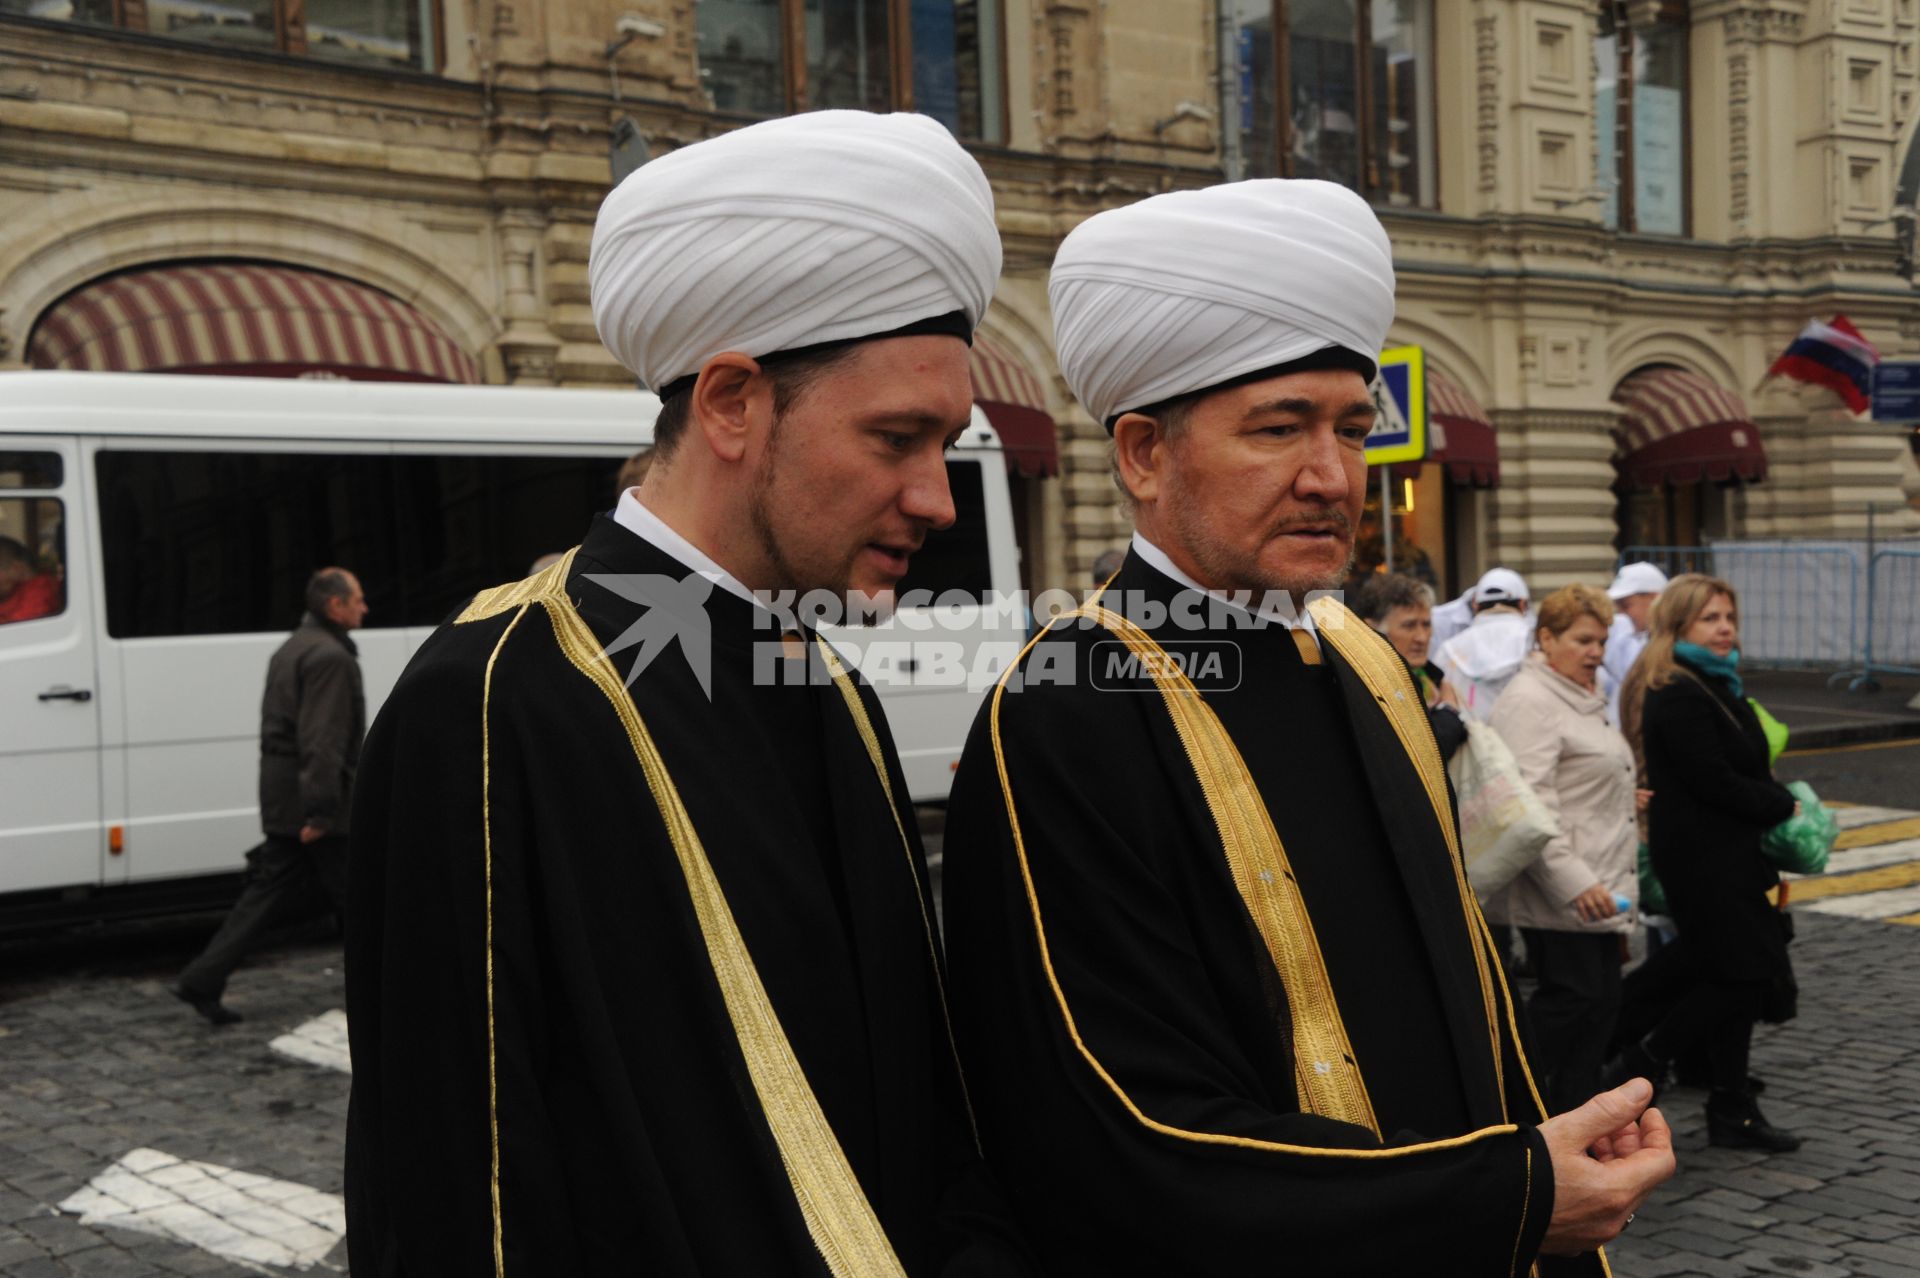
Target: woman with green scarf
[1714, 796]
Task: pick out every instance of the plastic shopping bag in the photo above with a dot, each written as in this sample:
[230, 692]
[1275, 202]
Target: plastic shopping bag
[1801, 843]
[1503, 823]
[1776, 731]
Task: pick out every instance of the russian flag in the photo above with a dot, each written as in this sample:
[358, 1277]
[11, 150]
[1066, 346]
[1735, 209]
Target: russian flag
[1835, 356]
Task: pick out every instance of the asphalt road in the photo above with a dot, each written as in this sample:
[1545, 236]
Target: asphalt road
[1886, 774]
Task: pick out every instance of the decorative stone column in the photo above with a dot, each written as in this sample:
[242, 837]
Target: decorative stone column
[528, 350]
[1554, 509]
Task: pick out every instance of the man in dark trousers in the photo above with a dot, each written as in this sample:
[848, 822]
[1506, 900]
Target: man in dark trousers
[311, 721]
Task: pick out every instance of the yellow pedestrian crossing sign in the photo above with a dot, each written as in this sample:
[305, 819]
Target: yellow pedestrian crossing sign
[1399, 431]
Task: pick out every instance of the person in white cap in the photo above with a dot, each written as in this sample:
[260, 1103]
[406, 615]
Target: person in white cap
[1482, 660]
[1224, 997]
[642, 971]
[1635, 588]
[1450, 618]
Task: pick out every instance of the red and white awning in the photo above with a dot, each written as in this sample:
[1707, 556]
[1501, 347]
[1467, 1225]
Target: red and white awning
[1460, 436]
[1677, 427]
[1013, 400]
[244, 319]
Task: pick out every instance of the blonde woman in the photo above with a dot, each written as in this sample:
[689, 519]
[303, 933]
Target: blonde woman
[1554, 718]
[1713, 796]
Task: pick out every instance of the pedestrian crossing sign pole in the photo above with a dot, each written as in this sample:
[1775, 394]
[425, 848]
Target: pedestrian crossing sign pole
[1399, 431]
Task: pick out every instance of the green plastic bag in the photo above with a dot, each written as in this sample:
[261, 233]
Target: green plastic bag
[1653, 897]
[1776, 731]
[1801, 843]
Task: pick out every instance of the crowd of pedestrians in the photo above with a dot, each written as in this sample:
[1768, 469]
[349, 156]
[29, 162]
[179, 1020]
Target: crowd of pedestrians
[1625, 715]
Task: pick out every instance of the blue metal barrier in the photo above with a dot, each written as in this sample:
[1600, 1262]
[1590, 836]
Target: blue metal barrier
[1800, 604]
[1893, 613]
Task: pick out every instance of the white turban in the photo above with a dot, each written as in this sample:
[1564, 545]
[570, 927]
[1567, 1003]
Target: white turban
[793, 232]
[1191, 289]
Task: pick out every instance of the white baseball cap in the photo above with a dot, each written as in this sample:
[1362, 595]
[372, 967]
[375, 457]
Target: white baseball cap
[1637, 579]
[1500, 585]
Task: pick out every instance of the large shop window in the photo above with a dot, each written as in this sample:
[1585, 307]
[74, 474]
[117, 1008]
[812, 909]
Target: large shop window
[1640, 112]
[939, 57]
[369, 33]
[1334, 89]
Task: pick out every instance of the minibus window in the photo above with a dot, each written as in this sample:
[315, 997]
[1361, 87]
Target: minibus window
[470, 522]
[210, 543]
[29, 470]
[33, 560]
[956, 558]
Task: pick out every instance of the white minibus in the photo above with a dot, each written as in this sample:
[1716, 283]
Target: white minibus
[169, 523]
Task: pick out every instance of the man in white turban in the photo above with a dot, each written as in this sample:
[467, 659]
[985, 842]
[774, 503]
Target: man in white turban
[1225, 999]
[642, 971]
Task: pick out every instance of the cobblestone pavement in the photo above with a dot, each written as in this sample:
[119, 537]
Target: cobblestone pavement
[121, 1106]
[1845, 1076]
[111, 1092]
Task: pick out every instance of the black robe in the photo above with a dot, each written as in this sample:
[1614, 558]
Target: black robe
[1192, 1155]
[1713, 797]
[630, 1138]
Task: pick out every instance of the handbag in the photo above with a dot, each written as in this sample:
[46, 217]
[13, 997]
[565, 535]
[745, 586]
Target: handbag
[1504, 825]
[1802, 841]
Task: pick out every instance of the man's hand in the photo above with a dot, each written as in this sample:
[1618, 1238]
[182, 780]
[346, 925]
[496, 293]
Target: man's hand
[1641, 798]
[1608, 1155]
[312, 834]
[1594, 904]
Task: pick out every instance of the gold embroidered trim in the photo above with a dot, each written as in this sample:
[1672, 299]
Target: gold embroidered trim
[871, 739]
[549, 583]
[1327, 1077]
[1073, 1029]
[838, 1217]
[486, 839]
[1526, 1202]
[1386, 676]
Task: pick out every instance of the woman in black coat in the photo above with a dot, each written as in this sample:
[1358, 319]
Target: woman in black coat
[1713, 797]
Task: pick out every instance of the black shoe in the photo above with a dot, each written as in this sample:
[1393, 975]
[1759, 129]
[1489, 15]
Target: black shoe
[216, 1012]
[1735, 1122]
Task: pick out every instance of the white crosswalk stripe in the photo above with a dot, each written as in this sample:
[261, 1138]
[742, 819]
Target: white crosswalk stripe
[1854, 818]
[321, 1041]
[1876, 877]
[231, 1213]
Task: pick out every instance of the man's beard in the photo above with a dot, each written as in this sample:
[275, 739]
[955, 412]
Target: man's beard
[761, 500]
[1226, 569]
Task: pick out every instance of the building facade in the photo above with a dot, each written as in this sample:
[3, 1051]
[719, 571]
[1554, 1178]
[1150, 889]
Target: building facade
[1609, 216]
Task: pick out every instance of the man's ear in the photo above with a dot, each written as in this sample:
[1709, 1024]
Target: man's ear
[729, 399]
[1140, 453]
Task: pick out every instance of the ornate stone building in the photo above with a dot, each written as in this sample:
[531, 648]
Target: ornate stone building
[1609, 215]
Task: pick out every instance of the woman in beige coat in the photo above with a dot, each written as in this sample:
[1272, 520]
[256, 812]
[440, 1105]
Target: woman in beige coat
[1567, 904]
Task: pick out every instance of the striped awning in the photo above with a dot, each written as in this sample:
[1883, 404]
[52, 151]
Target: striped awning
[1460, 436]
[1013, 400]
[248, 320]
[1462, 433]
[1677, 427]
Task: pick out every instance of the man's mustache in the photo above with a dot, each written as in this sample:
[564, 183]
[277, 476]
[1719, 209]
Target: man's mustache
[1328, 516]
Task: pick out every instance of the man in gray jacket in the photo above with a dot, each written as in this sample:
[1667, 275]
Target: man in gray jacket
[312, 719]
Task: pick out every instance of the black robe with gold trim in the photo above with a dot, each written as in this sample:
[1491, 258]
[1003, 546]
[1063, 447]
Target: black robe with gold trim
[1129, 1040]
[555, 1070]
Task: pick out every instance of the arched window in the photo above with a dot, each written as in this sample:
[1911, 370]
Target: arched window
[1334, 89]
[939, 57]
[1640, 110]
